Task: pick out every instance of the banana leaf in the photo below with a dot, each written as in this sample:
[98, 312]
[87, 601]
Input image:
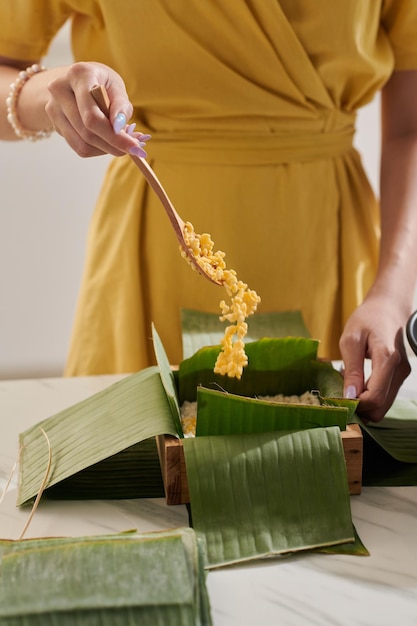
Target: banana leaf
[168, 380]
[132, 473]
[132, 410]
[202, 329]
[152, 579]
[274, 366]
[397, 432]
[380, 469]
[287, 366]
[265, 494]
[226, 414]
[355, 548]
[390, 447]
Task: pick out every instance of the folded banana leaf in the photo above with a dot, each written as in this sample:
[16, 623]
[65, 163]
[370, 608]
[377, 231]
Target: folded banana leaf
[132, 473]
[223, 414]
[150, 579]
[125, 414]
[265, 494]
[390, 447]
[285, 366]
[167, 378]
[355, 548]
[274, 366]
[397, 432]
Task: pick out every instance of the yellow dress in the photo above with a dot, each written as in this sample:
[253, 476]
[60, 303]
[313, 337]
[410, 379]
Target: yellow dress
[251, 106]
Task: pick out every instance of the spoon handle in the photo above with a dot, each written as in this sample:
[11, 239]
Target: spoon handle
[101, 97]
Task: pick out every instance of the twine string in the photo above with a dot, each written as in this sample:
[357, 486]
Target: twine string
[43, 484]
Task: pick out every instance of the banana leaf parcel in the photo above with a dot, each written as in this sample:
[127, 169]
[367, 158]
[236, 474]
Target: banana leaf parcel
[153, 579]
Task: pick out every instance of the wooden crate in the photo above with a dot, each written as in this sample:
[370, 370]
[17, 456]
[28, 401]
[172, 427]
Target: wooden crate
[174, 474]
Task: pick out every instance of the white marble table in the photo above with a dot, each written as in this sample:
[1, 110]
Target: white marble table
[319, 590]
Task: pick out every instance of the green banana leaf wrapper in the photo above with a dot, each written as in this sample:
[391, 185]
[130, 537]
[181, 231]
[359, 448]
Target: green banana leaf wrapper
[287, 366]
[390, 447]
[112, 580]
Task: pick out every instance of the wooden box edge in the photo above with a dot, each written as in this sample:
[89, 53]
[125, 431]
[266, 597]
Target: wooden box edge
[174, 475]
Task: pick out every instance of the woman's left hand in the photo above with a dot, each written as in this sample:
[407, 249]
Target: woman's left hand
[374, 331]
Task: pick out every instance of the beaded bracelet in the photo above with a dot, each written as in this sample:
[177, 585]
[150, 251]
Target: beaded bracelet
[11, 104]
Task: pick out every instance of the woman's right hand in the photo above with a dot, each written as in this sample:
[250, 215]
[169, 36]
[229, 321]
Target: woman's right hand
[60, 98]
[75, 115]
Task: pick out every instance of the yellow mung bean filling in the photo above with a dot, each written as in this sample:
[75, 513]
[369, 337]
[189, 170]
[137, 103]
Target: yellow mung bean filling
[243, 301]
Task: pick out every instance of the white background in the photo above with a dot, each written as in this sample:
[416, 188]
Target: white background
[47, 194]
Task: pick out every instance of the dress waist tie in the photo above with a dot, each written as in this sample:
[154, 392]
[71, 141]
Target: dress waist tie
[249, 148]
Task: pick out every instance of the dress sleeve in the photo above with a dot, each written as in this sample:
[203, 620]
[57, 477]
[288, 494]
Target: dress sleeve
[27, 27]
[399, 19]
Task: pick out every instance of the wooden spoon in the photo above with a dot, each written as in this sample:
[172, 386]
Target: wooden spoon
[101, 97]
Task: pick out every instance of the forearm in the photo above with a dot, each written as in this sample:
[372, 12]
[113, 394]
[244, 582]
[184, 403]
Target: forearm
[375, 330]
[397, 271]
[30, 105]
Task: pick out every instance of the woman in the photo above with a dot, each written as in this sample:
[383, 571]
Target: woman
[251, 107]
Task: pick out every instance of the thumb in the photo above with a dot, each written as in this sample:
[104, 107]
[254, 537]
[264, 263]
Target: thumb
[354, 380]
[120, 110]
[114, 104]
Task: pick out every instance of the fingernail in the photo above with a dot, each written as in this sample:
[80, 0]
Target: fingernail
[130, 129]
[350, 392]
[143, 136]
[138, 151]
[119, 122]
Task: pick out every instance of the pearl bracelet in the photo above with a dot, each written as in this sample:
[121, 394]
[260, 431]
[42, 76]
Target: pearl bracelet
[11, 104]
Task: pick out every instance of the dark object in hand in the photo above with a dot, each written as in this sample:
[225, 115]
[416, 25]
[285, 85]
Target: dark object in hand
[411, 330]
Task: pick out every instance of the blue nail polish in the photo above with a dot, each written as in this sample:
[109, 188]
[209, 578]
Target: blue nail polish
[138, 151]
[119, 122]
